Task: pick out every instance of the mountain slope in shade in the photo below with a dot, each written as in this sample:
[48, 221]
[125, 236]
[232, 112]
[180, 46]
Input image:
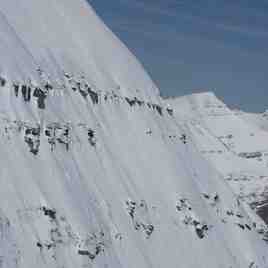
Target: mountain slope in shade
[94, 169]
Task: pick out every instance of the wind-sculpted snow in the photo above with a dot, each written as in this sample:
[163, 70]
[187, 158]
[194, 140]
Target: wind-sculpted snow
[96, 170]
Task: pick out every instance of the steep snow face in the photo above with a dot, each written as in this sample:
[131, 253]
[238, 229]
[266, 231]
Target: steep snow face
[93, 175]
[116, 187]
[235, 145]
[67, 35]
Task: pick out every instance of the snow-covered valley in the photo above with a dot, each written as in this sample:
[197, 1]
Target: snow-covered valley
[97, 170]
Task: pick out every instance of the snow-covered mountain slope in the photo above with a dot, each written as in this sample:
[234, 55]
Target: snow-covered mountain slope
[234, 145]
[67, 33]
[260, 120]
[93, 170]
[236, 134]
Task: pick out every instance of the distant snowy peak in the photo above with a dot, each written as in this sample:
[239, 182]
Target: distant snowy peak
[260, 120]
[67, 35]
[236, 143]
[198, 105]
[222, 122]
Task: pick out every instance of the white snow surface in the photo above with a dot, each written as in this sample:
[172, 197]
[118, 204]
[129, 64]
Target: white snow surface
[67, 34]
[260, 120]
[233, 141]
[94, 171]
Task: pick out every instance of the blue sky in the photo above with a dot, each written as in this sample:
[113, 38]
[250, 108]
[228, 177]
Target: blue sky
[192, 46]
